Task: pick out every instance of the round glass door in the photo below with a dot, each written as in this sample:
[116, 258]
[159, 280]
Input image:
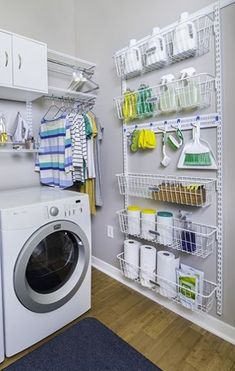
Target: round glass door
[51, 266]
[52, 262]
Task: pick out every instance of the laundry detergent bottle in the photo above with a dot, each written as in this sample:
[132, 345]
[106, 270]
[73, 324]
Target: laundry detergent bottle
[184, 38]
[188, 92]
[132, 61]
[168, 97]
[155, 54]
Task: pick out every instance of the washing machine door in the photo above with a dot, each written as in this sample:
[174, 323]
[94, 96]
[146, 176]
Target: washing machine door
[51, 266]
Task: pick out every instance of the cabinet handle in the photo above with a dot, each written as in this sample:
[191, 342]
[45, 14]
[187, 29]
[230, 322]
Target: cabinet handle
[20, 61]
[7, 58]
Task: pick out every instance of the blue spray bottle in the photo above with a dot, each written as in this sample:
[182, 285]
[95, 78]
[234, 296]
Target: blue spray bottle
[188, 236]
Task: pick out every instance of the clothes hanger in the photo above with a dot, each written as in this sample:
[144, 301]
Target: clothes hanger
[61, 110]
[52, 106]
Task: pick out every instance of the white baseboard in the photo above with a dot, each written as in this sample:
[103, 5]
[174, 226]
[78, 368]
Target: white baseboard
[208, 322]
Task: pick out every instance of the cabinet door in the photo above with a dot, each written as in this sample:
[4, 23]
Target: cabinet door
[5, 59]
[29, 64]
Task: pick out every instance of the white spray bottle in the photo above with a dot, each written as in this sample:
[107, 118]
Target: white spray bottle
[168, 99]
[188, 92]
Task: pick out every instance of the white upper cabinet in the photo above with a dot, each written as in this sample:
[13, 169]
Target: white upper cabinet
[29, 64]
[6, 59]
[23, 67]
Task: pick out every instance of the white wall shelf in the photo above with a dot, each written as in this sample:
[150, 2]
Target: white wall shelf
[201, 303]
[65, 93]
[182, 190]
[61, 62]
[185, 94]
[127, 68]
[200, 240]
[133, 61]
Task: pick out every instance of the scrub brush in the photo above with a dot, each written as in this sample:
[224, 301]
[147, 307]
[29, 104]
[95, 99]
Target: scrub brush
[165, 159]
[197, 154]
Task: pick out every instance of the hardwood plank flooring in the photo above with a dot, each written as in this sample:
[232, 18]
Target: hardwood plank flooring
[168, 340]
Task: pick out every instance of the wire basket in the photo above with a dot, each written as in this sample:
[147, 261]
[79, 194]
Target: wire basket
[181, 190]
[128, 67]
[198, 240]
[201, 302]
[180, 95]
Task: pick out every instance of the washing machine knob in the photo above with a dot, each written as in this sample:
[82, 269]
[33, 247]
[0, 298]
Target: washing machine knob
[54, 211]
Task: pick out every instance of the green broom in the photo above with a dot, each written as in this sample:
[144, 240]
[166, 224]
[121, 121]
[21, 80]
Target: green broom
[197, 154]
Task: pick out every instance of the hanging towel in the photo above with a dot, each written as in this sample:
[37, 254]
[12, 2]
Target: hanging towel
[89, 188]
[98, 182]
[22, 129]
[90, 149]
[55, 153]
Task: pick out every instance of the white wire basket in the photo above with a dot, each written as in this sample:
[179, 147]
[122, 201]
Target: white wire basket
[128, 67]
[199, 240]
[201, 302]
[183, 190]
[184, 94]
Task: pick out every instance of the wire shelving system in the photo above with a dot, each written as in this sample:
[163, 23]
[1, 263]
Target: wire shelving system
[173, 188]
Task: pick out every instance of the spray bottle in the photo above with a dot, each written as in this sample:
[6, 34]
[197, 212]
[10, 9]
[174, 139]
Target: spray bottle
[168, 100]
[188, 92]
[188, 236]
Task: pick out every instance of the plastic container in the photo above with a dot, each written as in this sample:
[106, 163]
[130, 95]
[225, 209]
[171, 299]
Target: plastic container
[188, 91]
[185, 37]
[132, 60]
[133, 213]
[165, 228]
[168, 96]
[148, 217]
[155, 54]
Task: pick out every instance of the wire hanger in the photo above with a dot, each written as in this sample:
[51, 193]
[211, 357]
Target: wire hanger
[52, 106]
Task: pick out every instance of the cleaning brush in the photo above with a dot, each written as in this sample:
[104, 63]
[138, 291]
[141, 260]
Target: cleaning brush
[197, 154]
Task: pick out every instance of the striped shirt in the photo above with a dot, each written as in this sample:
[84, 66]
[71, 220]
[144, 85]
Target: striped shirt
[55, 153]
[79, 147]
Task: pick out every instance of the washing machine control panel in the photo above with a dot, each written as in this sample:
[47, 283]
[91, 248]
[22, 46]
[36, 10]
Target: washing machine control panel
[72, 209]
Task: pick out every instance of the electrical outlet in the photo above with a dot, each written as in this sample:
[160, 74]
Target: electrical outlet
[110, 231]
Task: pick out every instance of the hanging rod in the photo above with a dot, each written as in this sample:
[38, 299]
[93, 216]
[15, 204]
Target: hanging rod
[185, 123]
[89, 72]
[70, 57]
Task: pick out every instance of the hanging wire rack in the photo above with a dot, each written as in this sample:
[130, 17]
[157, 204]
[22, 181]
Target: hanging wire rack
[127, 68]
[184, 94]
[183, 190]
[199, 240]
[200, 302]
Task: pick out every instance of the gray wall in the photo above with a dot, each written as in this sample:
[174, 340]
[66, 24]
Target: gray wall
[49, 21]
[111, 25]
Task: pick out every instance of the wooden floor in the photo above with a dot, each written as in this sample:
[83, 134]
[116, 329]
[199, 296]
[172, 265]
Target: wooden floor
[166, 339]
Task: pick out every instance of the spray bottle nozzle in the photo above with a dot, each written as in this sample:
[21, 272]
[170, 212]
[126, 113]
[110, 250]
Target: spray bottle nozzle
[184, 214]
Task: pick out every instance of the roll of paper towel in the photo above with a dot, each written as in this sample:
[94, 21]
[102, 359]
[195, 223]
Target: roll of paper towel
[166, 271]
[147, 265]
[131, 257]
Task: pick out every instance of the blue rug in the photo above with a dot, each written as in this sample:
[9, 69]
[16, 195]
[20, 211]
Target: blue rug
[87, 346]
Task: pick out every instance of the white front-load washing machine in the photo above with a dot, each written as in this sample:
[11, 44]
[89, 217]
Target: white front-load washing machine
[46, 262]
[1, 320]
